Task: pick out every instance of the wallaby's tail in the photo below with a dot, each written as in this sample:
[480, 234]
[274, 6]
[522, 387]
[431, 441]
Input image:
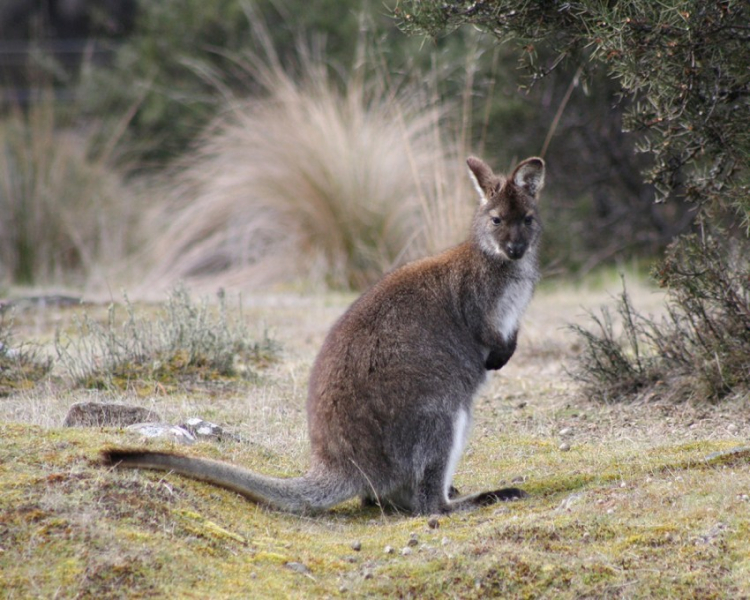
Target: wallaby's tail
[308, 493]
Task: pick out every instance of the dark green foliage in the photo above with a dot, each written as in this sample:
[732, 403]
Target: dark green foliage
[183, 62]
[685, 62]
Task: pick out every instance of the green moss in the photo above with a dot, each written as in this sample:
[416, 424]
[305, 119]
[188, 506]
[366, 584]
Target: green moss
[71, 528]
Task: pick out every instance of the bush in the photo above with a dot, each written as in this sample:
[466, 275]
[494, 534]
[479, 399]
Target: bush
[700, 351]
[185, 343]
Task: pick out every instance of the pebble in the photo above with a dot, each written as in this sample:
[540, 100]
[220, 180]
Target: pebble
[406, 551]
[564, 447]
[413, 541]
[433, 523]
[388, 550]
[566, 431]
[357, 546]
[732, 428]
[298, 567]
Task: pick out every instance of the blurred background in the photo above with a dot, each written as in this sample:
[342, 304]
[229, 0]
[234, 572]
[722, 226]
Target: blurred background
[289, 144]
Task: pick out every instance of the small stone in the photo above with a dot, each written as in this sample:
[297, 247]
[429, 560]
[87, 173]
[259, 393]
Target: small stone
[433, 523]
[297, 567]
[163, 430]
[445, 541]
[406, 551]
[566, 431]
[388, 550]
[357, 546]
[521, 405]
[413, 541]
[367, 574]
[732, 428]
[564, 447]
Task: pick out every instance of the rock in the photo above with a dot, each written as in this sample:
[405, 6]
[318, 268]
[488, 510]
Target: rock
[406, 551]
[99, 414]
[433, 523]
[163, 430]
[566, 431]
[388, 550]
[357, 546]
[564, 447]
[413, 541]
[205, 430]
[297, 567]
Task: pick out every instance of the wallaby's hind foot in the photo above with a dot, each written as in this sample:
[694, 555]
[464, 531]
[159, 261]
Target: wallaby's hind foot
[481, 499]
[501, 495]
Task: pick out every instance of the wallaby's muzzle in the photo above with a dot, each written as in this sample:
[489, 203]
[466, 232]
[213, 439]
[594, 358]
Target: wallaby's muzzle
[515, 250]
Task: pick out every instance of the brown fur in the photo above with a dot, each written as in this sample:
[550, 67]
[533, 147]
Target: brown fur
[391, 392]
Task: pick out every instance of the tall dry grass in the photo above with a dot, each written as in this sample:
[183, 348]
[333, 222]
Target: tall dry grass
[330, 182]
[65, 214]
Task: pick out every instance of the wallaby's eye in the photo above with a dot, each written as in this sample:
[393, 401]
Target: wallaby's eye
[529, 219]
[496, 220]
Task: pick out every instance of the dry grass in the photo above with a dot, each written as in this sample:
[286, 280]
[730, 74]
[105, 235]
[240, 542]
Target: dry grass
[325, 181]
[66, 215]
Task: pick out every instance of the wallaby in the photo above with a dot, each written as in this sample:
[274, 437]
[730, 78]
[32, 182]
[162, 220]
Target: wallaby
[391, 391]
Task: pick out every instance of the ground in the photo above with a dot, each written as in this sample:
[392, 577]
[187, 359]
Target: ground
[625, 500]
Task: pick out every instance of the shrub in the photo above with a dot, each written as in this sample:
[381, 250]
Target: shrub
[185, 342]
[700, 351]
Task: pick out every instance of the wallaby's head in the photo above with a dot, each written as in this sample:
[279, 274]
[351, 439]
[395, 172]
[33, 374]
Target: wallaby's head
[506, 223]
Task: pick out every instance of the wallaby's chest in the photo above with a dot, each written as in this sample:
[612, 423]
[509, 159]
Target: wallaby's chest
[510, 306]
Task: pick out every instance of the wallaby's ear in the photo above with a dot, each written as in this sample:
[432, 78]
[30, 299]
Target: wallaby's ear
[529, 175]
[484, 180]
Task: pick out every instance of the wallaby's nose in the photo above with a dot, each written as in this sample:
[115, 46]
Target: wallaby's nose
[515, 250]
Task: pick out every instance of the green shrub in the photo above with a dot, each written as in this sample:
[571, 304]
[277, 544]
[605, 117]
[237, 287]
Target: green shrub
[184, 343]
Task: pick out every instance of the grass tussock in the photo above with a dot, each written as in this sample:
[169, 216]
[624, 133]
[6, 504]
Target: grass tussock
[65, 212]
[185, 342]
[699, 351]
[324, 181]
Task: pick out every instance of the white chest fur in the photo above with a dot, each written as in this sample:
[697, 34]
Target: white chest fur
[511, 306]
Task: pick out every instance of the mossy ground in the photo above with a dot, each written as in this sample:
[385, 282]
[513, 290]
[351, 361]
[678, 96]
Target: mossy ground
[648, 502]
